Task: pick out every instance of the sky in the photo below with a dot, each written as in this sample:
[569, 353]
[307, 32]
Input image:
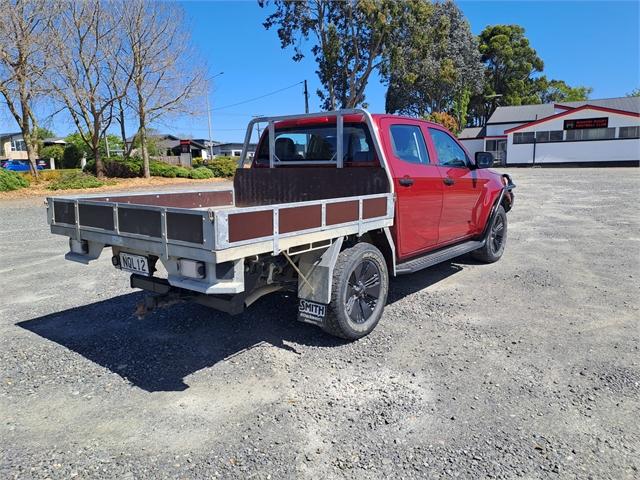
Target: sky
[592, 43]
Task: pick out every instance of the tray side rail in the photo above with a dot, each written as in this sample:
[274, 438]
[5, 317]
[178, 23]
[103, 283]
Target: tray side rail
[164, 230]
[270, 225]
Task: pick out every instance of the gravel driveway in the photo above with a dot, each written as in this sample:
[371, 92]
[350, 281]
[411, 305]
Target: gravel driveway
[525, 368]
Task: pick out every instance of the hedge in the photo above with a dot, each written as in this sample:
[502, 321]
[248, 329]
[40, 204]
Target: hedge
[10, 180]
[223, 166]
[201, 173]
[119, 167]
[75, 180]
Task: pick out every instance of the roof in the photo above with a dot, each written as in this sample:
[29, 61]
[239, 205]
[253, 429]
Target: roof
[10, 134]
[472, 132]
[569, 112]
[521, 113]
[530, 113]
[57, 140]
[627, 104]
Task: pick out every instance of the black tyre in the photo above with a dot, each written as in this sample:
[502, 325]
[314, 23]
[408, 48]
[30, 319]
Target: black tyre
[359, 292]
[496, 239]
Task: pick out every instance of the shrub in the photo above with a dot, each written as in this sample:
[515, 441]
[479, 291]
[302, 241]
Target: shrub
[12, 180]
[53, 151]
[223, 166]
[75, 180]
[50, 175]
[161, 169]
[183, 172]
[117, 167]
[71, 156]
[201, 173]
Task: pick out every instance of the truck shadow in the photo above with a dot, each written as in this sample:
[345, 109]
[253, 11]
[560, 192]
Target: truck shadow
[157, 352]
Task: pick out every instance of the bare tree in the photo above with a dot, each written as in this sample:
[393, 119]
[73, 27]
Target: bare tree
[166, 76]
[89, 78]
[24, 52]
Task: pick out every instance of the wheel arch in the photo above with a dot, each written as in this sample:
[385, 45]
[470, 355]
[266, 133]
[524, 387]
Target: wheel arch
[383, 241]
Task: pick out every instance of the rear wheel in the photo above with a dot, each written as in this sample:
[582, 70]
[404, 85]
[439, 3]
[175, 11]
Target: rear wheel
[496, 239]
[359, 292]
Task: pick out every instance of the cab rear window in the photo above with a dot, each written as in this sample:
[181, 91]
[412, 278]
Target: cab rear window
[316, 144]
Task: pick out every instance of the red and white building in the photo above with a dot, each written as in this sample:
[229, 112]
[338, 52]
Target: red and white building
[591, 133]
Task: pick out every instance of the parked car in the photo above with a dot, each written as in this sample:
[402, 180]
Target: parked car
[19, 165]
[332, 206]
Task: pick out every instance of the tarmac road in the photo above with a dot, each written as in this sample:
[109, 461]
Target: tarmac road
[524, 368]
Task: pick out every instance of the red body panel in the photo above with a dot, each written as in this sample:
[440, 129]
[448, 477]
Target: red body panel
[429, 213]
[418, 206]
[436, 205]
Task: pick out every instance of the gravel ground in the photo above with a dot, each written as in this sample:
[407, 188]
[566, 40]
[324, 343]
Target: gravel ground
[525, 368]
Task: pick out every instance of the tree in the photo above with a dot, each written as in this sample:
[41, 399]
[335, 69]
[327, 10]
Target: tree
[634, 93]
[24, 55]
[446, 120]
[165, 76]
[88, 52]
[510, 63]
[350, 39]
[461, 107]
[554, 91]
[55, 152]
[42, 133]
[437, 65]
[72, 156]
[83, 150]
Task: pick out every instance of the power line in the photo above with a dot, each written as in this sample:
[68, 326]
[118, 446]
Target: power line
[258, 98]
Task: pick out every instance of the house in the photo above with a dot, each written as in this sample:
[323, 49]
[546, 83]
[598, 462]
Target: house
[172, 146]
[12, 147]
[233, 149]
[591, 132]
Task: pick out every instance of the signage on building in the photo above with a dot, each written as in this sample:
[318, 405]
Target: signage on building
[582, 123]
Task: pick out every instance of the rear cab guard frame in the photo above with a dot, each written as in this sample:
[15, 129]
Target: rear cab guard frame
[339, 115]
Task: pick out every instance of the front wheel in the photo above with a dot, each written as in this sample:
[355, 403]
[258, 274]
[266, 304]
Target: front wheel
[496, 238]
[359, 292]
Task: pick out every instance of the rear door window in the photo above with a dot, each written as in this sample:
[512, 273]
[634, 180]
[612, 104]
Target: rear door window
[408, 144]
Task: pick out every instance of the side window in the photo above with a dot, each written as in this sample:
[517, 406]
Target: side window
[449, 152]
[408, 144]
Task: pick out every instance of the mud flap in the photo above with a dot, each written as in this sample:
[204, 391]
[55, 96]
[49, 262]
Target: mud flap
[312, 312]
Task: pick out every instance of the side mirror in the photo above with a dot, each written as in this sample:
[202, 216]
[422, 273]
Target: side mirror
[484, 160]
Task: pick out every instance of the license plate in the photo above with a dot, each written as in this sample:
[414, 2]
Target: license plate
[311, 312]
[134, 263]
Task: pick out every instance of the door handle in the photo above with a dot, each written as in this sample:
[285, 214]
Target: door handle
[406, 181]
[448, 181]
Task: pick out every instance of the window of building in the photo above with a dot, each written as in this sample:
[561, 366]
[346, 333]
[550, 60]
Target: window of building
[449, 152]
[492, 145]
[524, 137]
[408, 144]
[18, 145]
[556, 135]
[542, 137]
[629, 132]
[590, 134]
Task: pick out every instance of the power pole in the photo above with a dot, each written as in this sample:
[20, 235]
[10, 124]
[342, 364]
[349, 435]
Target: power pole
[306, 98]
[209, 120]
